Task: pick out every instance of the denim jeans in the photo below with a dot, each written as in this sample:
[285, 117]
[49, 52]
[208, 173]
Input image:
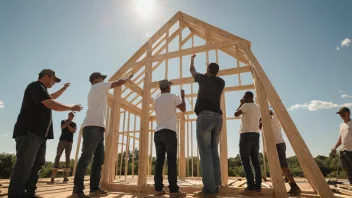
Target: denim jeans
[346, 163]
[30, 158]
[249, 151]
[93, 143]
[209, 126]
[166, 142]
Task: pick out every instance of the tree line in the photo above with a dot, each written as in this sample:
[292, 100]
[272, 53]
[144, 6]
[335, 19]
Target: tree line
[327, 165]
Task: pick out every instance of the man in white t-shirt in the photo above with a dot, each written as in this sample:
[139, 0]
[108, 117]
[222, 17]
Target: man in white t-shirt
[345, 141]
[165, 137]
[281, 151]
[249, 142]
[93, 128]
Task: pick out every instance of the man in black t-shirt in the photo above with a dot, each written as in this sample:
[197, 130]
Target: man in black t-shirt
[68, 128]
[209, 124]
[32, 129]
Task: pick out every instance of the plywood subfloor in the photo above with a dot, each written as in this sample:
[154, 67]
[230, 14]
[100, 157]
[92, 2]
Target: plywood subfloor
[64, 190]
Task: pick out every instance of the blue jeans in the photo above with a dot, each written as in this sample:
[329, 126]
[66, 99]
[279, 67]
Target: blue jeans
[30, 158]
[249, 151]
[93, 143]
[209, 126]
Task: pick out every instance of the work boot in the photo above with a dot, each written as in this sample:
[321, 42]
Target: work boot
[98, 192]
[295, 190]
[248, 191]
[159, 193]
[177, 194]
[65, 180]
[79, 195]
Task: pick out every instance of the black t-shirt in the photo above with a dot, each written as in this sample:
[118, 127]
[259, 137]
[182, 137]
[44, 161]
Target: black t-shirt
[209, 93]
[66, 134]
[34, 117]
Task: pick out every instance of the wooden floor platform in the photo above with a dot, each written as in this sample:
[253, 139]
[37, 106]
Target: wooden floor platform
[64, 190]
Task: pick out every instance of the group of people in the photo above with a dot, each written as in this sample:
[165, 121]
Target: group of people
[34, 127]
[209, 126]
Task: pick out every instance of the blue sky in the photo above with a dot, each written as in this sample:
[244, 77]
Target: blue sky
[303, 46]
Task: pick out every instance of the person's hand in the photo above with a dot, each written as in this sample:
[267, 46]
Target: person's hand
[66, 85]
[69, 122]
[242, 101]
[333, 152]
[193, 56]
[130, 76]
[182, 93]
[76, 108]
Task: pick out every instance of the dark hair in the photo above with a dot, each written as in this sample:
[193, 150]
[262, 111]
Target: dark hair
[213, 68]
[250, 94]
[164, 89]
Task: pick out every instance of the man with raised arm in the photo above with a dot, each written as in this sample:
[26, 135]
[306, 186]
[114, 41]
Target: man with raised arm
[249, 142]
[281, 152]
[32, 129]
[68, 128]
[345, 141]
[209, 124]
[165, 137]
[93, 135]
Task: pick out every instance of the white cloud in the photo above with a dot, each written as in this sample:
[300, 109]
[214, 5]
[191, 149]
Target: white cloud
[315, 105]
[2, 105]
[337, 48]
[345, 96]
[341, 91]
[345, 42]
[6, 135]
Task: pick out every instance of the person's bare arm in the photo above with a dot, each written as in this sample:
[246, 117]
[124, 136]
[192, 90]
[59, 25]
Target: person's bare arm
[260, 124]
[73, 130]
[182, 106]
[238, 111]
[338, 143]
[192, 69]
[120, 82]
[59, 92]
[56, 106]
[64, 125]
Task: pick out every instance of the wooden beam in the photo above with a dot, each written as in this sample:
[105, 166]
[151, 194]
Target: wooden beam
[130, 107]
[77, 150]
[143, 143]
[273, 158]
[238, 88]
[184, 52]
[302, 152]
[144, 48]
[224, 167]
[182, 160]
[184, 41]
[112, 139]
[214, 30]
[188, 80]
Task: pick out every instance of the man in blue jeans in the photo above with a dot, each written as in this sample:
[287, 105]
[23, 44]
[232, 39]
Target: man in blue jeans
[209, 124]
[32, 129]
[93, 135]
[249, 142]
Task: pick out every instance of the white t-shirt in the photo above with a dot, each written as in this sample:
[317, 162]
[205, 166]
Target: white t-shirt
[275, 123]
[250, 118]
[346, 136]
[165, 109]
[97, 105]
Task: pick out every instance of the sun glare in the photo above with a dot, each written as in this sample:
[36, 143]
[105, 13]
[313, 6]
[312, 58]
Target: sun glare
[145, 8]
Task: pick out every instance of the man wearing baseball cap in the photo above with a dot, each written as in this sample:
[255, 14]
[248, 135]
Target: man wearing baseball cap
[165, 137]
[32, 129]
[345, 141]
[93, 128]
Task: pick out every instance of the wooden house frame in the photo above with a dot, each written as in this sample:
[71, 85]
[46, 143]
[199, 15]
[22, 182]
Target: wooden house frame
[156, 51]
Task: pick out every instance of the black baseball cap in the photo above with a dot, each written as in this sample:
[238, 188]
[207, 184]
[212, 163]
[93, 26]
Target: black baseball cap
[164, 83]
[343, 109]
[96, 75]
[50, 73]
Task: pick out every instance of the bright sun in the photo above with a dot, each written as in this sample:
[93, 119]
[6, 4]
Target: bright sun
[145, 8]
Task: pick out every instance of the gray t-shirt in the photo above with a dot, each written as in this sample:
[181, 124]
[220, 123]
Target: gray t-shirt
[209, 93]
